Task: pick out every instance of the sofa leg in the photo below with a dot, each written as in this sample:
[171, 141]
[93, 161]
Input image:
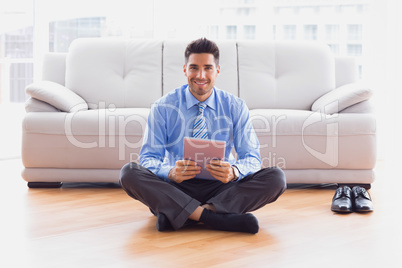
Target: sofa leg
[351, 185]
[34, 184]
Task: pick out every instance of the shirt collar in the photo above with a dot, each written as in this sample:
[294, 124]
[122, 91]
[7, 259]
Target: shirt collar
[191, 100]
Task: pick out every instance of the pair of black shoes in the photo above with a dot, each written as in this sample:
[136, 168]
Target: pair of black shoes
[347, 200]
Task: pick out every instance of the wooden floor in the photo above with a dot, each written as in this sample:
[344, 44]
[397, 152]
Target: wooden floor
[100, 226]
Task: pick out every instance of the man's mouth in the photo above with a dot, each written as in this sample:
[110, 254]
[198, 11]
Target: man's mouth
[201, 83]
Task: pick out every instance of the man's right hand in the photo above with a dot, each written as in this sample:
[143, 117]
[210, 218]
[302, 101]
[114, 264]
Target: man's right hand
[184, 170]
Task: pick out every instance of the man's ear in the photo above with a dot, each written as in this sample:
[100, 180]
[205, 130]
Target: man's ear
[218, 69]
[185, 70]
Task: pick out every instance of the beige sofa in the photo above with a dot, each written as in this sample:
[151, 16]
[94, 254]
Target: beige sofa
[86, 118]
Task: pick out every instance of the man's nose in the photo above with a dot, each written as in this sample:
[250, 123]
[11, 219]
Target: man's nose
[201, 74]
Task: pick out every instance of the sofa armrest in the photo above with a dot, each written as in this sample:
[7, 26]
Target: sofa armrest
[34, 105]
[341, 98]
[363, 107]
[57, 96]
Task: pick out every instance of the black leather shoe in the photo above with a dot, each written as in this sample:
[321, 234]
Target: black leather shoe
[361, 200]
[162, 223]
[342, 200]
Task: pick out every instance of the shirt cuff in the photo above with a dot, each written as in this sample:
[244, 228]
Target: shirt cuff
[163, 172]
[234, 169]
[245, 169]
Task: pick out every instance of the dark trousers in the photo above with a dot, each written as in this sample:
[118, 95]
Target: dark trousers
[179, 200]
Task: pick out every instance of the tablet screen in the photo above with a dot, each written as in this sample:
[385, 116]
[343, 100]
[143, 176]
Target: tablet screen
[203, 151]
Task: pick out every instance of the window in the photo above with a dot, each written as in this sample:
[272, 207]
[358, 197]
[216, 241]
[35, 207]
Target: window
[289, 32]
[228, 12]
[308, 10]
[62, 33]
[354, 50]
[327, 10]
[243, 12]
[332, 32]
[16, 49]
[213, 32]
[18, 43]
[335, 49]
[231, 32]
[310, 32]
[284, 11]
[355, 32]
[249, 32]
[348, 9]
[360, 9]
[20, 76]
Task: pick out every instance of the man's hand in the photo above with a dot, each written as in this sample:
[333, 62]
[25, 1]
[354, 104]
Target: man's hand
[221, 170]
[184, 170]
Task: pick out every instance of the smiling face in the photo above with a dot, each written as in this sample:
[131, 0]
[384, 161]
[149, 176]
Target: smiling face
[201, 72]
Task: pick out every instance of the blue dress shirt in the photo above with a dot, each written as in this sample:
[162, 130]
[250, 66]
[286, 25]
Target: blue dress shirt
[172, 118]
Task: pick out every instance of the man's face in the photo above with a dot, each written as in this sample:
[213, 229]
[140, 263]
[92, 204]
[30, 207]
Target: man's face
[201, 72]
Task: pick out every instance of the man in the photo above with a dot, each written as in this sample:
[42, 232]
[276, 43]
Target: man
[166, 183]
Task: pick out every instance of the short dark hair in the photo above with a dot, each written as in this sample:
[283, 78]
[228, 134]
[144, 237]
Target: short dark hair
[202, 45]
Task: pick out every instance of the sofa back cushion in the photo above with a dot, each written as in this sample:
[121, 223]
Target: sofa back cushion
[173, 61]
[115, 72]
[284, 75]
[346, 70]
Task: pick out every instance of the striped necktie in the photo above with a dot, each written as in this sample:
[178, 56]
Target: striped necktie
[200, 124]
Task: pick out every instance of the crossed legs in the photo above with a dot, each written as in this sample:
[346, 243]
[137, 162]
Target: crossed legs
[176, 203]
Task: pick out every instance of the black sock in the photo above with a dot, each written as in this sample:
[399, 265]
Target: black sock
[230, 222]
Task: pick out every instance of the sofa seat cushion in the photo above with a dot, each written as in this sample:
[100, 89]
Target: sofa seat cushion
[87, 139]
[293, 139]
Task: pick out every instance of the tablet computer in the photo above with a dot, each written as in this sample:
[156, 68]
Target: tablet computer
[203, 151]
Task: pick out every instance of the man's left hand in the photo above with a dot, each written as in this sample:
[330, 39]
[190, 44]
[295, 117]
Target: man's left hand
[221, 170]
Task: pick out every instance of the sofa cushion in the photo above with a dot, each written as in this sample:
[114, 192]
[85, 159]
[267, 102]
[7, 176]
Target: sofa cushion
[56, 95]
[97, 122]
[284, 75]
[115, 72]
[98, 138]
[54, 67]
[346, 70]
[294, 139]
[342, 98]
